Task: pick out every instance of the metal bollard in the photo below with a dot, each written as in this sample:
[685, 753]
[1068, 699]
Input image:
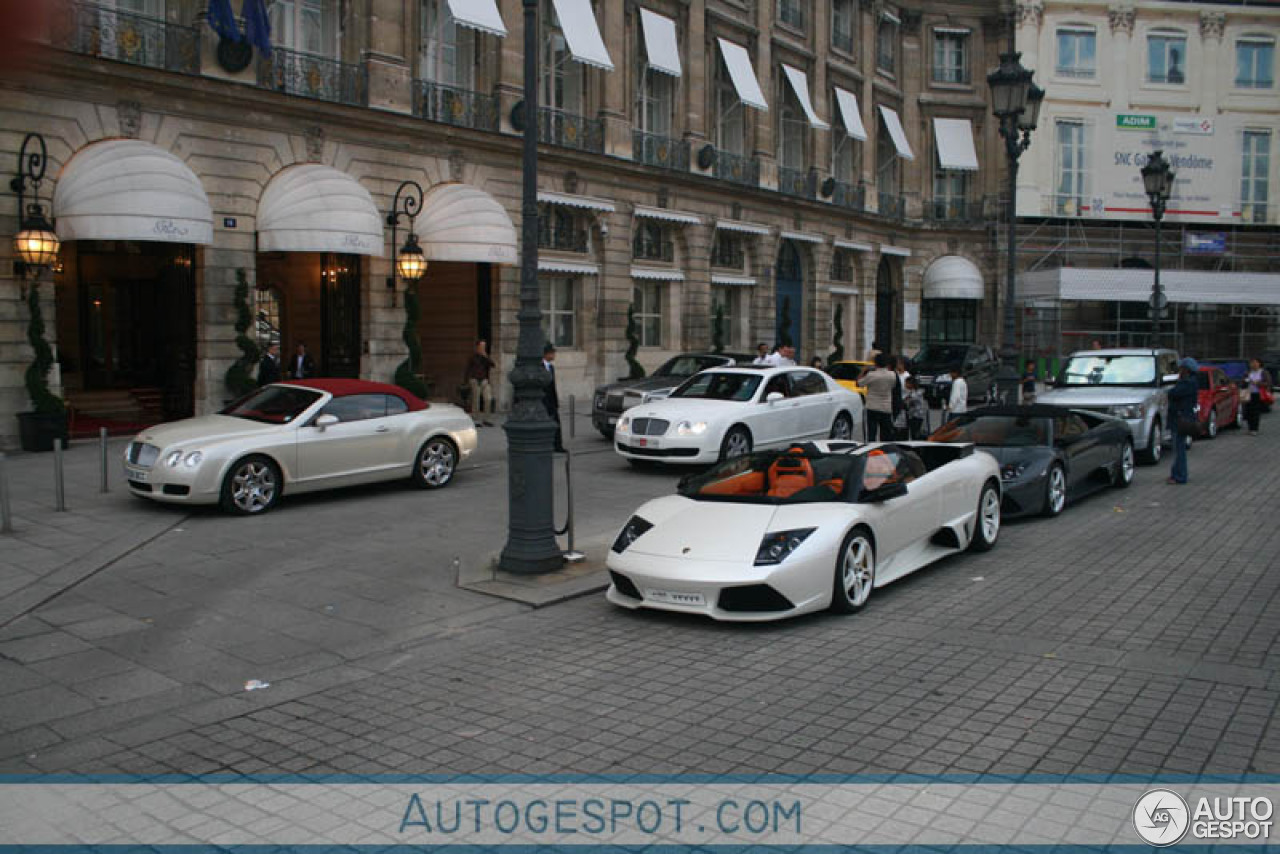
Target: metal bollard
[60, 490]
[102, 452]
[571, 554]
[6, 515]
[573, 419]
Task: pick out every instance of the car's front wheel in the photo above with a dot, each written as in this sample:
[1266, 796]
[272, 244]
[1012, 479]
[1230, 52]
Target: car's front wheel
[1055, 490]
[608, 434]
[842, 427]
[1155, 444]
[736, 443]
[251, 487]
[855, 572]
[1124, 466]
[986, 528]
[435, 464]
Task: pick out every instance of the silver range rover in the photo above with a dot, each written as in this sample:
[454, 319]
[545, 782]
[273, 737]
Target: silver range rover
[1128, 383]
[610, 401]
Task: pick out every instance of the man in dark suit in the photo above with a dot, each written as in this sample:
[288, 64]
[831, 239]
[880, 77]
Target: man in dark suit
[551, 397]
[269, 367]
[303, 367]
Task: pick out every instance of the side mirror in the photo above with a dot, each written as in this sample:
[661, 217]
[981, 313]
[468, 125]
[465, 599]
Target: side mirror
[774, 397]
[1169, 379]
[884, 493]
[324, 421]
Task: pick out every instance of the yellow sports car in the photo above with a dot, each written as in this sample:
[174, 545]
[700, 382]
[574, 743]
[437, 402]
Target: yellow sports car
[848, 374]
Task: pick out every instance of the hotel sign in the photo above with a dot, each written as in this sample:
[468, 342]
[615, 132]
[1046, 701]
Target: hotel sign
[1129, 121]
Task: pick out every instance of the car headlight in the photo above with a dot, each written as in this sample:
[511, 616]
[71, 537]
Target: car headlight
[173, 458]
[691, 428]
[1128, 410]
[599, 401]
[776, 547]
[192, 459]
[624, 424]
[1012, 471]
[630, 532]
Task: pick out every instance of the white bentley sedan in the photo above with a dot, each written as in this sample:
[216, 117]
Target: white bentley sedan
[728, 412]
[299, 436]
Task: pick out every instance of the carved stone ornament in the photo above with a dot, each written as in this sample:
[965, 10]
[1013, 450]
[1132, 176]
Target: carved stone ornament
[129, 114]
[1212, 24]
[315, 144]
[457, 164]
[1121, 19]
[1030, 13]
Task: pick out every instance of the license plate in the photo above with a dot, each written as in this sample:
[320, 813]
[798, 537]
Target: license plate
[135, 475]
[647, 443]
[674, 597]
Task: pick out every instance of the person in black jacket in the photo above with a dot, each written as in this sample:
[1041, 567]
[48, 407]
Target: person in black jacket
[269, 367]
[551, 397]
[302, 366]
[1182, 402]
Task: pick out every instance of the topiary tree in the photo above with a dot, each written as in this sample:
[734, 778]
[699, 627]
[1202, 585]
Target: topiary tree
[635, 370]
[837, 335]
[239, 378]
[784, 324]
[717, 330]
[37, 376]
[408, 371]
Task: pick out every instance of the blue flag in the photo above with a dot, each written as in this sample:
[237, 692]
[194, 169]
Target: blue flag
[223, 21]
[257, 26]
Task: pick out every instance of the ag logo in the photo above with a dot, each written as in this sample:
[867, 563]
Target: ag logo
[1161, 817]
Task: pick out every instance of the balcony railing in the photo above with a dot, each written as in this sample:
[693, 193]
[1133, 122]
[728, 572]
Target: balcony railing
[1079, 72]
[647, 248]
[569, 130]
[312, 76]
[123, 36]
[851, 196]
[562, 238]
[737, 168]
[892, 205]
[451, 105]
[955, 210]
[798, 182]
[729, 255]
[661, 151]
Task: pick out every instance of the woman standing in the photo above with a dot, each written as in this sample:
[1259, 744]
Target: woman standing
[1259, 384]
[1182, 402]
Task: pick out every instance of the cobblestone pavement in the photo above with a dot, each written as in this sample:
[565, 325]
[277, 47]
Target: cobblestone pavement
[1137, 633]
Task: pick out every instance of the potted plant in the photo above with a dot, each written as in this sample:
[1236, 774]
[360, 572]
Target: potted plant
[47, 422]
[635, 370]
[239, 378]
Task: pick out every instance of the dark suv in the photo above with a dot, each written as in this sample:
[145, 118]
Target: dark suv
[932, 369]
[613, 399]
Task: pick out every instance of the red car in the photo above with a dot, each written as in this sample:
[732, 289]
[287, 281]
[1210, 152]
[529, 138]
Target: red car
[1219, 402]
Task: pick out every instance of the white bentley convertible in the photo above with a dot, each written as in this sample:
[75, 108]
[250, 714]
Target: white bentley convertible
[728, 412]
[780, 533]
[299, 436]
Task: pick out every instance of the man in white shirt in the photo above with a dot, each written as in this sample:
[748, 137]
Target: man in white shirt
[959, 400]
[762, 354]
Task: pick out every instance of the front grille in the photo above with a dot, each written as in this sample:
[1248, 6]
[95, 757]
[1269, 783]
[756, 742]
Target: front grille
[176, 489]
[625, 585]
[613, 403]
[658, 452]
[140, 487]
[753, 597]
[649, 426]
[142, 454]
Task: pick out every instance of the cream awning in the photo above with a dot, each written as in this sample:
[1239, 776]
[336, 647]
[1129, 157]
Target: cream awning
[479, 15]
[800, 85]
[460, 222]
[315, 208]
[127, 189]
[578, 22]
[657, 274]
[853, 245]
[737, 281]
[738, 61]
[953, 277]
[802, 236]
[955, 144]
[741, 227]
[896, 133]
[660, 43]
[585, 202]
[553, 265]
[896, 251]
[850, 115]
[668, 216]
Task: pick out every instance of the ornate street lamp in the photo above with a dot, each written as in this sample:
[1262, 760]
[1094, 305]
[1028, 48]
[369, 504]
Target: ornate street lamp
[1157, 180]
[36, 243]
[411, 263]
[1015, 100]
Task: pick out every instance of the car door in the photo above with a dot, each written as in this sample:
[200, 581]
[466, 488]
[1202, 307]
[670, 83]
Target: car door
[1079, 445]
[1223, 398]
[815, 403]
[364, 440]
[776, 422]
[903, 523]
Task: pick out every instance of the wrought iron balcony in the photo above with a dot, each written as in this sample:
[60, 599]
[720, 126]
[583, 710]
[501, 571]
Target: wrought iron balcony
[954, 210]
[312, 76]
[798, 182]
[645, 247]
[123, 36]
[851, 196]
[451, 105]
[892, 205]
[562, 238]
[569, 130]
[736, 168]
[660, 151]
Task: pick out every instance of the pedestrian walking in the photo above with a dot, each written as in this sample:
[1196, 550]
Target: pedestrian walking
[269, 367]
[1259, 388]
[302, 366]
[880, 383]
[477, 379]
[551, 397]
[1029, 385]
[958, 401]
[917, 410]
[1182, 416]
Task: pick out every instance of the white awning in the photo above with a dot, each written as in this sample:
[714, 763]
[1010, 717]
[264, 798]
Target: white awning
[660, 43]
[668, 216]
[953, 277]
[741, 227]
[736, 281]
[896, 133]
[800, 85]
[578, 21]
[895, 250]
[314, 208]
[952, 31]
[585, 202]
[657, 274]
[802, 236]
[479, 15]
[738, 61]
[955, 144]
[843, 291]
[1180, 286]
[853, 245]
[551, 265]
[850, 115]
[464, 223]
[127, 189]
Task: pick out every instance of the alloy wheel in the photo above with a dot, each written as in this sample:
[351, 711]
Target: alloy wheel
[253, 487]
[737, 444]
[990, 520]
[1057, 490]
[857, 571]
[437, 463]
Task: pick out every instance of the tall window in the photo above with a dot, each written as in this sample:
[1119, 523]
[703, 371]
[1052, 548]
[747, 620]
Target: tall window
[943, 320]
[267, 302]
[844, 155]
[1255, 166]
[1069, 194]
[656, 101]
[558, 301]
[448, 50]
[887, 44]
[647, 298]
[1255, 63]
[791, 13]
[950, 56]
[792, 125]
[1077, 53]
[843, 15]
[731, 131]
[729, 251]
[310, 26]
[563, 80]
[950, 192]
[1167, 58]
[887, 181]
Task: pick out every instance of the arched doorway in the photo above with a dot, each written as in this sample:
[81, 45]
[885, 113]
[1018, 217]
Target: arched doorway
[789, 281]
[885, 298]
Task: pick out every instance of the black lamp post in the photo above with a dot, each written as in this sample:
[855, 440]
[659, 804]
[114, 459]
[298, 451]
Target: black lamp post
[1157, 180]
[410, 262]
[36, 243]
[531, 543]
[1015, 100]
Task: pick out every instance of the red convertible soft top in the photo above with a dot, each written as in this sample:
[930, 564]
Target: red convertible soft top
[346, 388]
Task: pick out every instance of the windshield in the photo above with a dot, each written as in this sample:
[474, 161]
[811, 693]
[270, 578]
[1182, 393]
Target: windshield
[713, 385]
[273, 404]
[1109, 370]
[1003, 431]
[774, 477]
[941, 354]
[846, 370]
[686, 366]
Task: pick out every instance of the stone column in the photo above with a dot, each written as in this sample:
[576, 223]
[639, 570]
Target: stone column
[820, 92]
[1212, 91]
[911, 72]
[764, 300]
[1121, 19]
[615, 105]
[696, 240]
[386, 61]
[510, 88]
[866, 98]
[699, 57]
[818, 322]
[765, 149]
